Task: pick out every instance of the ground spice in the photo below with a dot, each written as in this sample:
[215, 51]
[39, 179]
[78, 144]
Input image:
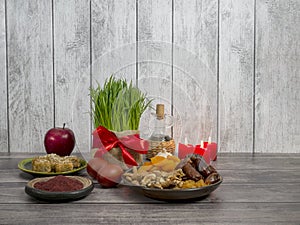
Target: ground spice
[59, 183]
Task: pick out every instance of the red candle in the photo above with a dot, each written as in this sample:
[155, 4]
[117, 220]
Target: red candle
[208, 150]
[199, 150]
[203, 151]
[212, 147]
[185, 149]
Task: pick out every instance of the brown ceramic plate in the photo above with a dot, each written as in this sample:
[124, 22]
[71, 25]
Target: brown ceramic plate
[173, 194]
[59, 196]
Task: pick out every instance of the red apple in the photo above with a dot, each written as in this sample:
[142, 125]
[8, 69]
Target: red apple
[60, 141]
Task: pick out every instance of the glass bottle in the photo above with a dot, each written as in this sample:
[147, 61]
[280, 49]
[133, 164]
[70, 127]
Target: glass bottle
[159, 141]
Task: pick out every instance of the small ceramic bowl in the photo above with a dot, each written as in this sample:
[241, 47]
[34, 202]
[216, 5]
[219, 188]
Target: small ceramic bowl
[59, 196]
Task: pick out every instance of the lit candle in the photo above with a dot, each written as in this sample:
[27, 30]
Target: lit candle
[209, 140]
[207, 149]
[212, 147]
[202, 144]
[185, 149]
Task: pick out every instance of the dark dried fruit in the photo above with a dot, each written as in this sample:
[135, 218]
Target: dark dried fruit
[191, 172]
[206, 171]
[212, 178]
[195, 168]
[182, 163]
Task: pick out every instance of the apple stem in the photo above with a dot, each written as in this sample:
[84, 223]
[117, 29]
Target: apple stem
[64, 125]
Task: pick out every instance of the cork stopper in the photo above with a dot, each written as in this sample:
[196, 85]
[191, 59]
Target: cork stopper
[160, 111]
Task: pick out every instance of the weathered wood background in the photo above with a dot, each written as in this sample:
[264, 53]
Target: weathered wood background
[224, 68]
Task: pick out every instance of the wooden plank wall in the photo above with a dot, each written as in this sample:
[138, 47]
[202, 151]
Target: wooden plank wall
[277, 76]
[29, 73]
[236, 64]
[227, 69]
[3, 86]
[195, 72]
[71, 46]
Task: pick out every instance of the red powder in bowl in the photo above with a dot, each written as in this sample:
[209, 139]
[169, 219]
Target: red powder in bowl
[59, 183]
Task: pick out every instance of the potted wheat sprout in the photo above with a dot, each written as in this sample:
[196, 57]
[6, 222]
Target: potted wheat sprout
[118, 106]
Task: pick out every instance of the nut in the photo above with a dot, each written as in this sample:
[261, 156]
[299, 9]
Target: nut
[147, 180]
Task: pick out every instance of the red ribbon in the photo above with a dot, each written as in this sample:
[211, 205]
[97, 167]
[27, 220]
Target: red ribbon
[134, 142]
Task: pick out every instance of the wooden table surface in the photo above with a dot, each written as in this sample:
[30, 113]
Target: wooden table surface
[257, 189]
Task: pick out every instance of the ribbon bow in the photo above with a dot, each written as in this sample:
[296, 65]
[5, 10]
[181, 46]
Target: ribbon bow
[109, 140]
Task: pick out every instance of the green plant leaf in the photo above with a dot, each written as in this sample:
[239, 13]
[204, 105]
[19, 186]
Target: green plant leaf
[118, 105]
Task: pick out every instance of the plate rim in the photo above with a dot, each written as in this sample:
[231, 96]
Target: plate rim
[29, 160]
